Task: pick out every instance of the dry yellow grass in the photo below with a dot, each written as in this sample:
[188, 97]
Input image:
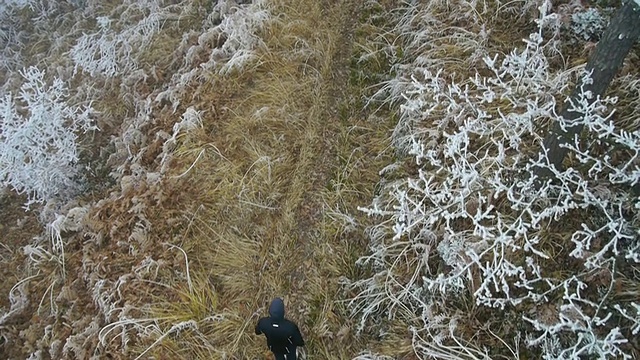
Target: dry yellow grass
[278, 182]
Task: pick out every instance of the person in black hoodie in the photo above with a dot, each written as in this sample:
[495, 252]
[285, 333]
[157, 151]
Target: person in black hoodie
[283, 336]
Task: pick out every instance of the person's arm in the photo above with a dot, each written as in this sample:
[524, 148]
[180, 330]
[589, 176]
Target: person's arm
[258, 327]
[297, 336]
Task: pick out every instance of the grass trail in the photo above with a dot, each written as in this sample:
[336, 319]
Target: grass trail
[282, 174]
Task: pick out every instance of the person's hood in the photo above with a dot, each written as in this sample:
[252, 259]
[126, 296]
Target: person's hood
[276, 309]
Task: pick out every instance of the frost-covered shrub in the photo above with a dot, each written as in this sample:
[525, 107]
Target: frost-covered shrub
[588, 24]
[102, 52]
[15, 4]
[11, 36]
[239, 25]
[38, 138]
[473, 222]
[115, 48]
[229, 40]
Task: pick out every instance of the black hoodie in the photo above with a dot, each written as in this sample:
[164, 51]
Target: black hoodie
[283, 336]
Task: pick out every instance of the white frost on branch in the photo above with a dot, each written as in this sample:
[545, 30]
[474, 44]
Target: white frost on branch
[38, 138]
[230, 39]
[474, 219]
[115, 48]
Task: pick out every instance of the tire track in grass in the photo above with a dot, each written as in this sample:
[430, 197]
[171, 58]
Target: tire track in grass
[265, 230]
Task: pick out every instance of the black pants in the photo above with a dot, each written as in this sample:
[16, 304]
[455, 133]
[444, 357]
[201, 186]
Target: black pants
[290, 356]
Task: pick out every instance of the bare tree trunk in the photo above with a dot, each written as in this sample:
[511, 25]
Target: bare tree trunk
[605, 62]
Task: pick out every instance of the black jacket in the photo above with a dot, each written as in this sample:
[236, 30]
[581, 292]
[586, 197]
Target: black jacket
[283, 336]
